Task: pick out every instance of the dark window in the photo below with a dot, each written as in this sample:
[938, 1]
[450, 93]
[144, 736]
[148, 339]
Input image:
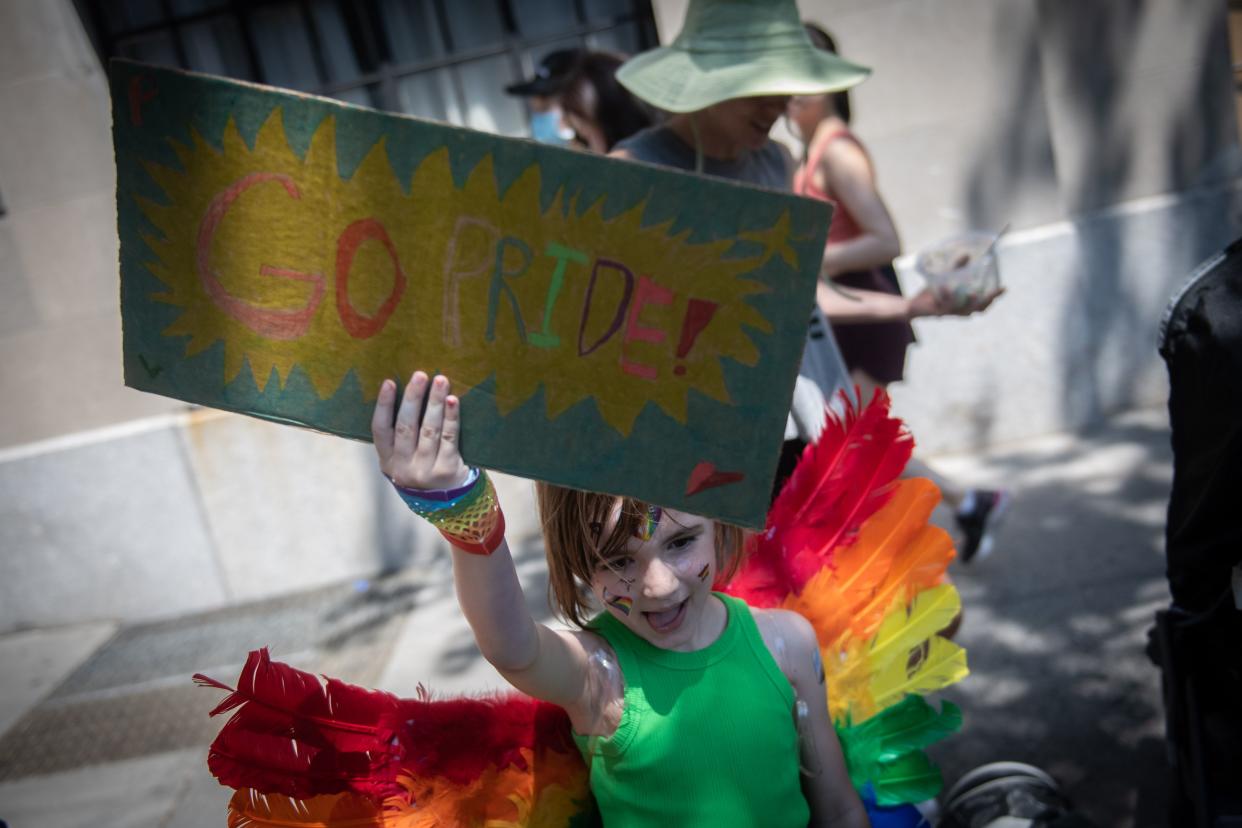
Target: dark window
[443, 59]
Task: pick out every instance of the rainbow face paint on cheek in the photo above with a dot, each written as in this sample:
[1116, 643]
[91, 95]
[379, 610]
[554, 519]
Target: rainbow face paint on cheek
[620, 603]
[704, 572]
[647, 527]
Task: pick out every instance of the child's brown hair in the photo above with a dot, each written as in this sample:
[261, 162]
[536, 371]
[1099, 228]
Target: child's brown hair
[573, 522]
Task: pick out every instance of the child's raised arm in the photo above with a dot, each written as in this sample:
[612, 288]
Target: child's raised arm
[420, 455]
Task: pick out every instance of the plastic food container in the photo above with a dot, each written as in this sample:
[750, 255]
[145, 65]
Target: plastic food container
[962, 268]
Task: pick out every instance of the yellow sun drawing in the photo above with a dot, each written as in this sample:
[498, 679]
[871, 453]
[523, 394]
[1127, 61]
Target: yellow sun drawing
[287, 263]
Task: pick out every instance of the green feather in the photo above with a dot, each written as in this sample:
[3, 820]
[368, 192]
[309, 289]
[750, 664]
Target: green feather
[886, 750]
[911, 778]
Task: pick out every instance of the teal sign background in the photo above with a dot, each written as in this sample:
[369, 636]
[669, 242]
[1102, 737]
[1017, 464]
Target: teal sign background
[719, 462]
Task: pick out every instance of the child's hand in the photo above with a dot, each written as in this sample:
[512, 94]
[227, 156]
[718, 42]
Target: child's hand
[414, 454]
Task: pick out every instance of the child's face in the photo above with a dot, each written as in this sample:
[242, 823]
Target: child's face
[660, 586]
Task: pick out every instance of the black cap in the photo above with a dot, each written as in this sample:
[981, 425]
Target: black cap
[550, 77]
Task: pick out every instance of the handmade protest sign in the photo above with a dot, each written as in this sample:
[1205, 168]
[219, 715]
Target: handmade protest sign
[609, 325]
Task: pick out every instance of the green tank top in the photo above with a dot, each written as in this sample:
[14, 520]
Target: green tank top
[706, 738]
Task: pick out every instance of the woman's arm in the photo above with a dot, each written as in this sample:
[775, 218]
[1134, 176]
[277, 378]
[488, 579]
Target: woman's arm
[825, 780]
[847, 306]
[422, 453]
[848, 175]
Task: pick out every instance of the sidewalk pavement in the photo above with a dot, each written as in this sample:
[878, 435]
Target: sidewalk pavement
[100, 725]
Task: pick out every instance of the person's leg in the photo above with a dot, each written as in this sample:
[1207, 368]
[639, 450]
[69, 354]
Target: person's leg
[950, 492]
[977, 511]
[864, 386]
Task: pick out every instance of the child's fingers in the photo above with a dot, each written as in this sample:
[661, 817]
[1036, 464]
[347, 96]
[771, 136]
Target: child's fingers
[432, 425]
[405, 439]
[448, 461]
[381, 420]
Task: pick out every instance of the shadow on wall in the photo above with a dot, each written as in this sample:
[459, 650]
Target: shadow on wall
[1013, 164]
[1113, 103]
[1017, 155]
[1112, 339]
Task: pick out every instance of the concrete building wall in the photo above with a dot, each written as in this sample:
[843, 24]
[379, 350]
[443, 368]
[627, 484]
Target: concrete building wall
[60, 331]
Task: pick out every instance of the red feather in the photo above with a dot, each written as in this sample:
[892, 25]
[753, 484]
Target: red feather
[839, 482]
[459, 738]
[347, 717]
[241, 758]
[294, 735]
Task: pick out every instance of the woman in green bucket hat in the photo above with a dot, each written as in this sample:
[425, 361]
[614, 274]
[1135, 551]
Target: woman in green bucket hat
[726, 79]
[736, 49]
[733, 65]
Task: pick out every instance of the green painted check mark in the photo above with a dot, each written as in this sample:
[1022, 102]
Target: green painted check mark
[153, 371]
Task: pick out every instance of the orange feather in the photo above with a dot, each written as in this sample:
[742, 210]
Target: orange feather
[249, 808]
[897, 554]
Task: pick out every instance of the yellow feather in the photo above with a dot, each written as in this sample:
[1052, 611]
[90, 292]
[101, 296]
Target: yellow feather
[904, 628]
[942, 664]
[865, 677]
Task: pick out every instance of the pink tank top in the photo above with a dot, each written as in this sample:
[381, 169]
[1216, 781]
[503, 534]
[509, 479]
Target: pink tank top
[843, 226]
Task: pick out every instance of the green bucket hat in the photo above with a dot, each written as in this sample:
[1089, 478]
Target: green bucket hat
[736, 49]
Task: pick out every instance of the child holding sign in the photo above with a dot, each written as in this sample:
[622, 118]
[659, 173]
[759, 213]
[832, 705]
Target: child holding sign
[689, 707]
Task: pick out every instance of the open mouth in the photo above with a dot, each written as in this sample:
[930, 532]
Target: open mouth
[667, 620]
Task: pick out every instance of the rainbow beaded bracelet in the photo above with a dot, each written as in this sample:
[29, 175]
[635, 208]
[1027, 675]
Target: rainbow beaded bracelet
[468, 516]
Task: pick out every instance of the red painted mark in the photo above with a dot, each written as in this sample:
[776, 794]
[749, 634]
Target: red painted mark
[706, 476]
[647, 293]
[698, 313]
[274, 323]
[138, 97]
[358, 325]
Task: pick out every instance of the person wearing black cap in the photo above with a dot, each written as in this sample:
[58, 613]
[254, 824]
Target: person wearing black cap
[541, 90]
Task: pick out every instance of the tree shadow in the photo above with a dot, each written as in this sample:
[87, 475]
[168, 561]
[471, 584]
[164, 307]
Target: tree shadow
[1056, 624]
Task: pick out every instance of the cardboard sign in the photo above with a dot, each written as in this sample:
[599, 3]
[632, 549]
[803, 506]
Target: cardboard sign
[609, 325]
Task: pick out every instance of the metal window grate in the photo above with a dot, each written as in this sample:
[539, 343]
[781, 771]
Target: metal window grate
[443, 59]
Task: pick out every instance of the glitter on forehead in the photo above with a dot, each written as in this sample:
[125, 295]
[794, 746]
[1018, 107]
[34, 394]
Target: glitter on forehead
[647, 527]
